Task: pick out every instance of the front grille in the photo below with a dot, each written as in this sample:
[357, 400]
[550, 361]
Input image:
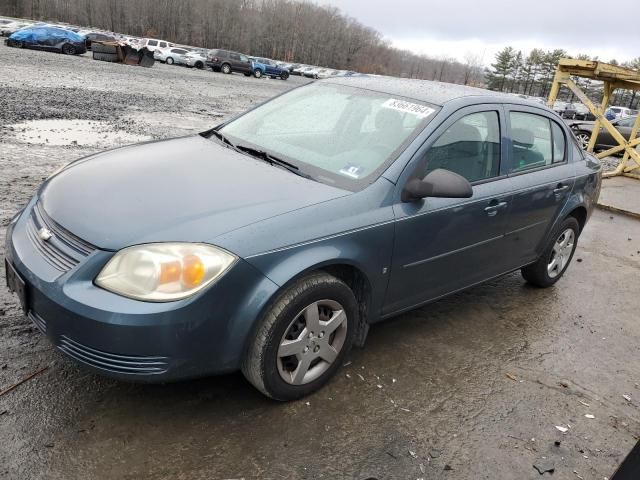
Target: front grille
[38, 321]
[63, 250]
[128, 364]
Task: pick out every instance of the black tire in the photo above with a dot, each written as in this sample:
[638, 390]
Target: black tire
[257, 73]
[538, 273]
[247, 74]
[101, 48]
[68, 49]
[284, 75]
[260, 363]
[105, 57]
[169, 61]
[226, 68]
[199, 65]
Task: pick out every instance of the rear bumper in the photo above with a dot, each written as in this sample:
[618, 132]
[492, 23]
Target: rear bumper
[132, 340]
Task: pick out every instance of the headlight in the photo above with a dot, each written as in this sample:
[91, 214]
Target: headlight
[163, 272]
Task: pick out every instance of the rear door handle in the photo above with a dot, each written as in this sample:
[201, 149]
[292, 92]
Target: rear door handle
[492, 209]
[560, 188]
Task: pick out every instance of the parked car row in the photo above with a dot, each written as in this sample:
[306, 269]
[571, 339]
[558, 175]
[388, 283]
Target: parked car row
[72, 39]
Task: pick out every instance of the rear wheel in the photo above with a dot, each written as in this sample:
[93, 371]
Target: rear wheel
[226, 68]
[583, 139]
[199, 65]
[303, 338]
[257, 73]
[556, 258]
[68, 49]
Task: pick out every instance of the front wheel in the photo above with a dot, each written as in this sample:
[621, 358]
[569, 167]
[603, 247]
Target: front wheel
[257, 73]
[169, 61]
[284, 75]
[556, 258]
[68, 49]
[583, 139]
[303, 338]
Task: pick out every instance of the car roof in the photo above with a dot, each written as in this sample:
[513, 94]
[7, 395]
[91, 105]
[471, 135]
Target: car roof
[437, 93]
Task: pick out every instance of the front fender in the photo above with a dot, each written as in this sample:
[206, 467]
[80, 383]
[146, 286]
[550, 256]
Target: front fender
[368, 250]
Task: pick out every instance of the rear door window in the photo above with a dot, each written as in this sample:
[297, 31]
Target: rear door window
[163, 44]
[559, 143]
[531, 141]
[153, 43]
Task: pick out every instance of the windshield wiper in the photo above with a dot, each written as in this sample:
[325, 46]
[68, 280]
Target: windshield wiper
[273, 160]
[224, 139]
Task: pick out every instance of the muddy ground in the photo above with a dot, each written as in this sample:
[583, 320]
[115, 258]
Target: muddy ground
[471, 387]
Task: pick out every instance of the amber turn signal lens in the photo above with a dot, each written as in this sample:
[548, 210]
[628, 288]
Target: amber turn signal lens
[170, 272]
[193, 271]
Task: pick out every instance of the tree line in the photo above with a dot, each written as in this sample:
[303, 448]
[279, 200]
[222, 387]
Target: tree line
[287, 30]
[532, 74]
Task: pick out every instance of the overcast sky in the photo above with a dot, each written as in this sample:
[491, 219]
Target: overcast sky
[453, 28]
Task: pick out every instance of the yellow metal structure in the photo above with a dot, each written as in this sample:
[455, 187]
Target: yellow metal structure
[613, 77]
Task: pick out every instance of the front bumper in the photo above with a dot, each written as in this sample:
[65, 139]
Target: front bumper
[129, 339]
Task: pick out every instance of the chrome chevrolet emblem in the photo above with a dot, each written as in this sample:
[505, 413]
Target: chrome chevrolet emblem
[45, 234]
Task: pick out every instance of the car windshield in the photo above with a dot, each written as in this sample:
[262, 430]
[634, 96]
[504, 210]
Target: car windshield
[337, 135]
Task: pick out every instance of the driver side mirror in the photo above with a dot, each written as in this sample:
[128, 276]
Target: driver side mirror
[439, 183]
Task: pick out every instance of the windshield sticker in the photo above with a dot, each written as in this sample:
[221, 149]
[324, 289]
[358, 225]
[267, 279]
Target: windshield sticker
[352, 171]
[421, 111]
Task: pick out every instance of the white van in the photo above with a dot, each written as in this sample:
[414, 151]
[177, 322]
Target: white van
[152, 44]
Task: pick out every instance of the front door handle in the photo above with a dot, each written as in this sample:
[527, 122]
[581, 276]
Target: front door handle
[560, 188]
[492, 209]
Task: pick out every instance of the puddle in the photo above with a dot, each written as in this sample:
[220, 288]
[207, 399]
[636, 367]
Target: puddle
[175, 124]
[73, 132]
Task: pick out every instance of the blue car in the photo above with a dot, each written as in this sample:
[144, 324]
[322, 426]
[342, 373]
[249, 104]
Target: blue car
[262, 67]
[272, 242]
[48, 38]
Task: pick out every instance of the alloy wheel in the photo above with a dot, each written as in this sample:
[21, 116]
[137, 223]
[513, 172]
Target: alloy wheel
[583, 139]
[312, 342]
[561, 253]
[68, 49]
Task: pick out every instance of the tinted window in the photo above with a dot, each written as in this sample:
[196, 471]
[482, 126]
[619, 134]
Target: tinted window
[469, 147]
[177, 50]
[531, 141]
[163, 44]
[576, 150]
[627, 122]
[234, 56]
[558, 143]
[153, 43]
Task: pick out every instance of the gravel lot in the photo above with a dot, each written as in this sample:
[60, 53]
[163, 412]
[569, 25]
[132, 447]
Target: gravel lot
[470, 387]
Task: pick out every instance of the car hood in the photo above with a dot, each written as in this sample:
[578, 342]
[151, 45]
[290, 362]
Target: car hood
[186, 189]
